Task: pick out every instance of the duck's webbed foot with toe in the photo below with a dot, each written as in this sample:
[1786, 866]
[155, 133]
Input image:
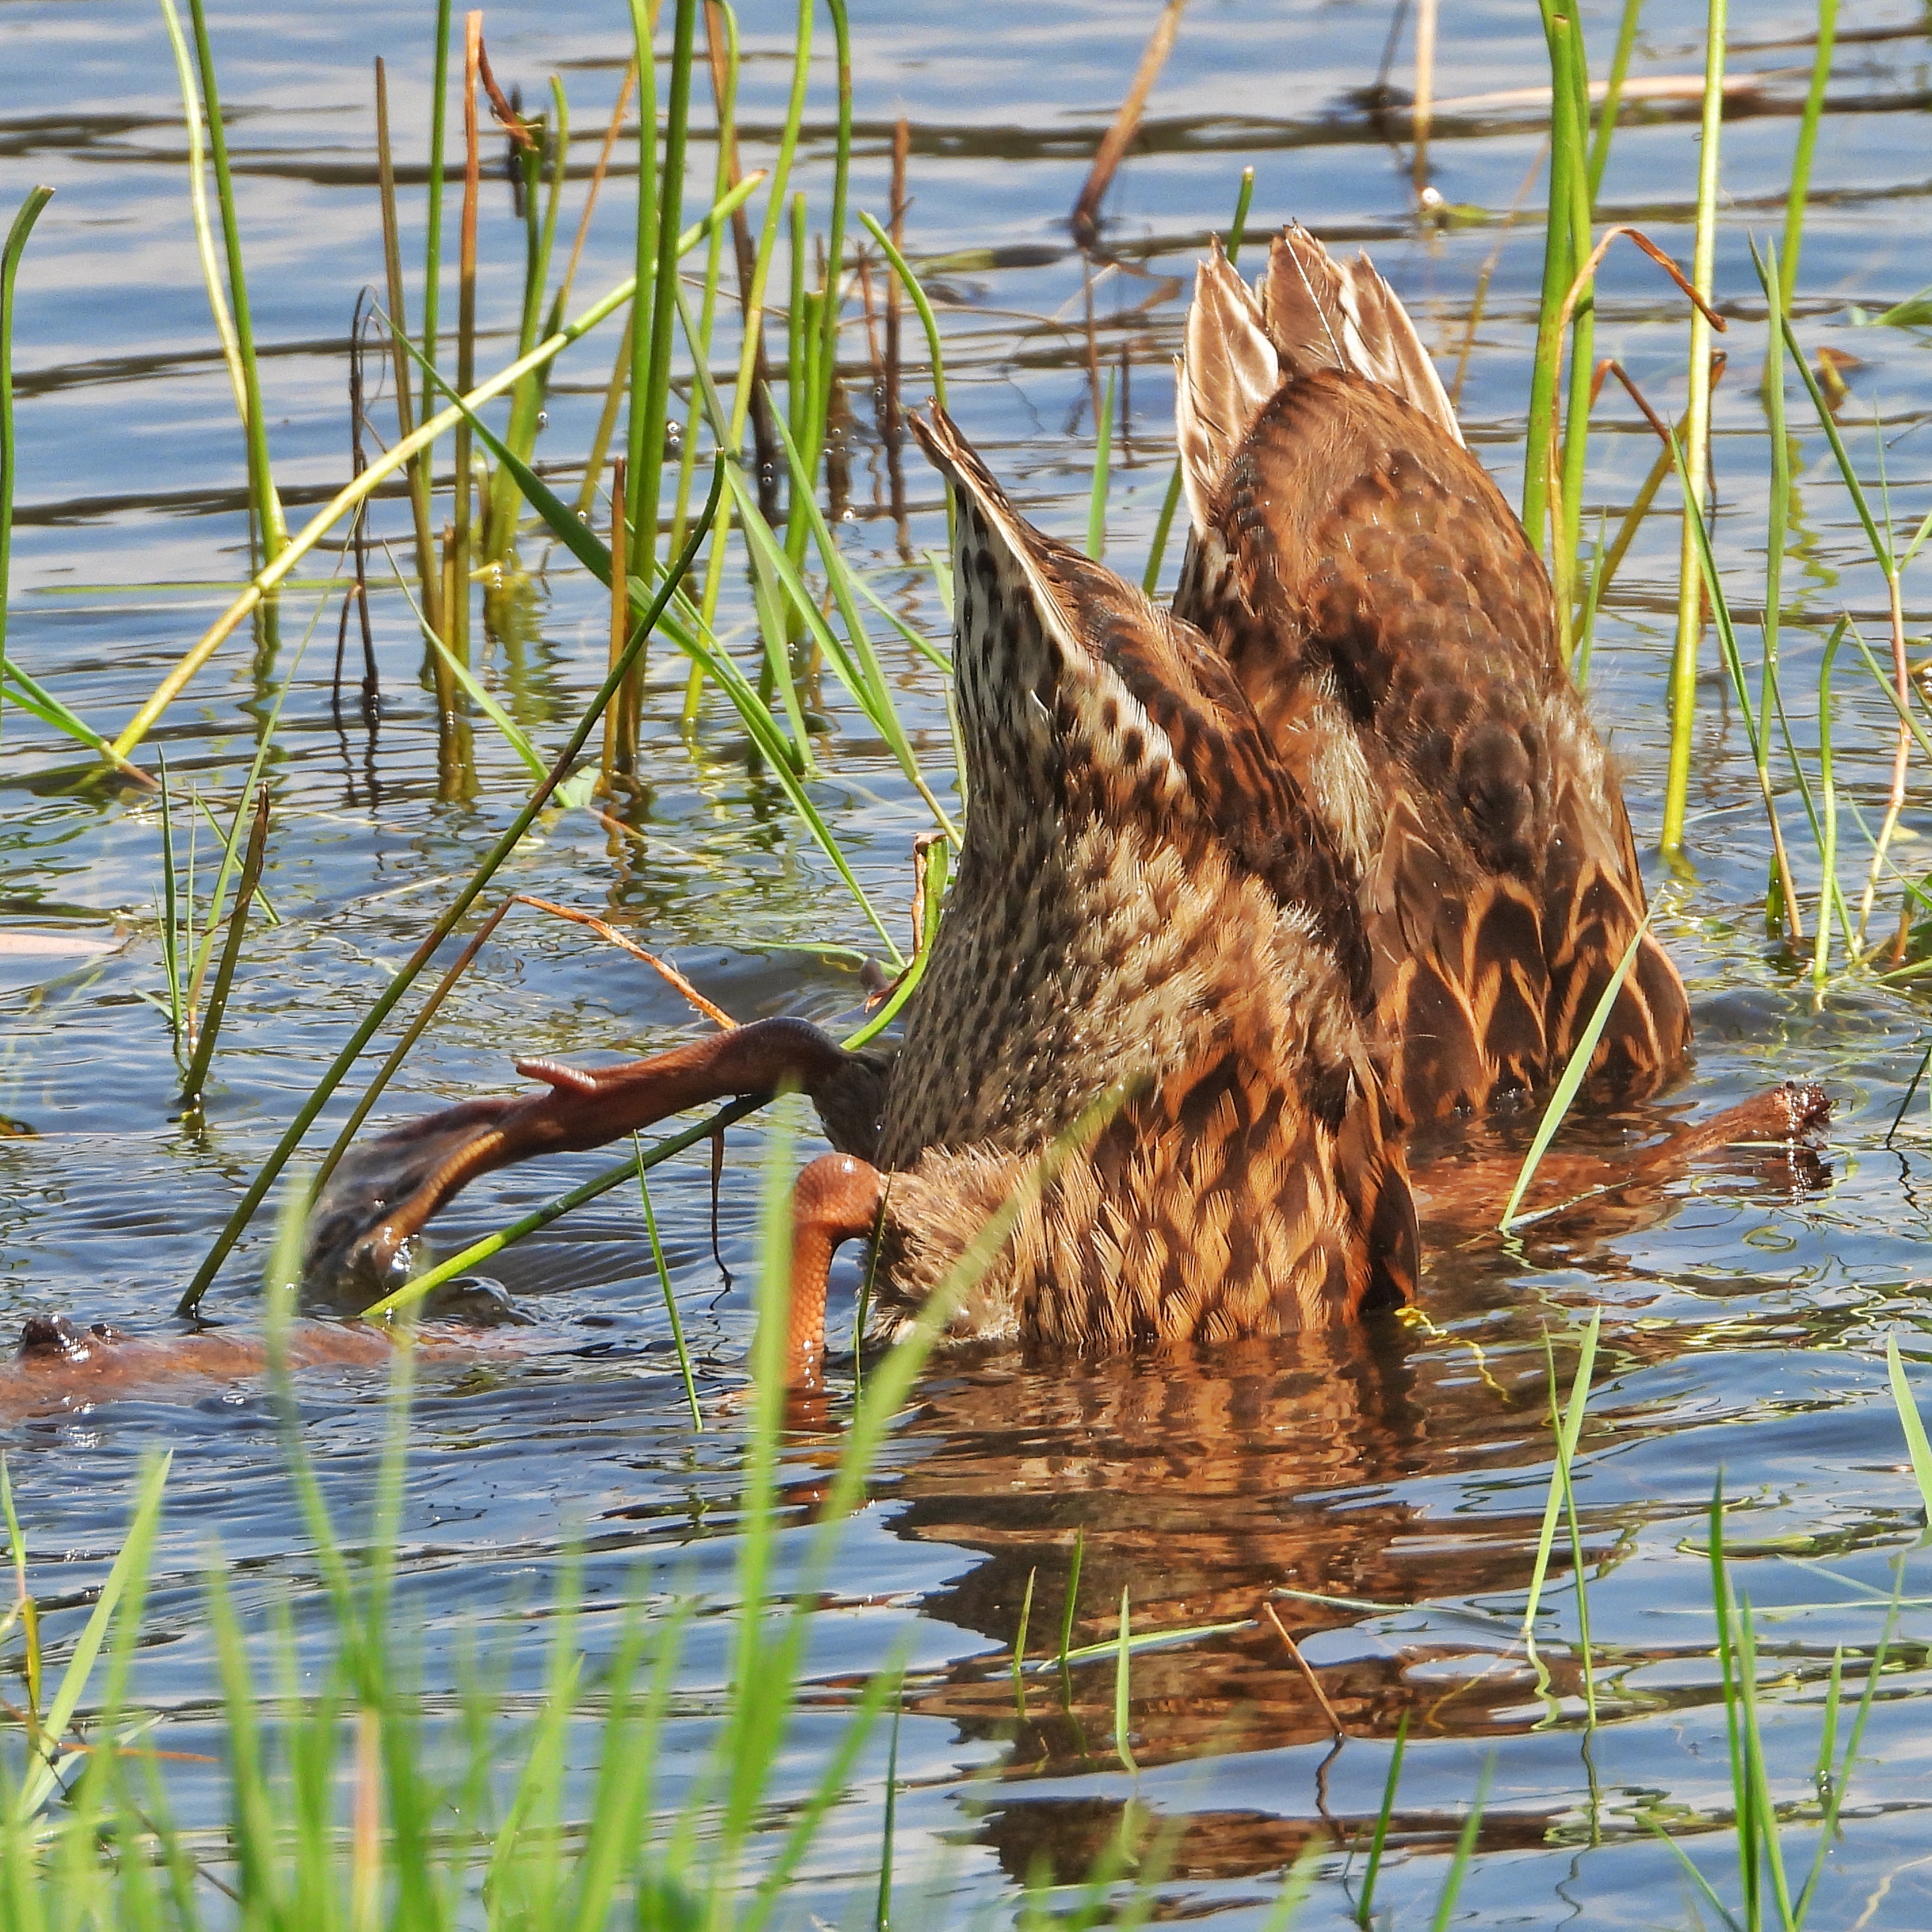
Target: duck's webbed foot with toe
[386, 1190]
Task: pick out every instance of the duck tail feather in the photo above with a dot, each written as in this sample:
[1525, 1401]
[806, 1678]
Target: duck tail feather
[1227, 376]
[1322, 314]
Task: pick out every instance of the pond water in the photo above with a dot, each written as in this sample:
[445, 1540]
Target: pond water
[1394, 1493]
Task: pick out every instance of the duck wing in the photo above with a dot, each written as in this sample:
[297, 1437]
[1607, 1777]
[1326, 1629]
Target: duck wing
[1382, 609]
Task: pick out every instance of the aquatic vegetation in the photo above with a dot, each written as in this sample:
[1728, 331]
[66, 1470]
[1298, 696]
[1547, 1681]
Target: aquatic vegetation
[549, 1649]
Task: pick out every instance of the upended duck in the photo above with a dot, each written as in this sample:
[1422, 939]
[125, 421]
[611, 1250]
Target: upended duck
[1247, 889]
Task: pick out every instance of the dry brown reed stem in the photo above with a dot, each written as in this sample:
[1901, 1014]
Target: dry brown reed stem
[1301, 1664]
[1610, 366]
[1114, 144]
[597, 174]
[507, 119]
[1663, 467]
[605, 930]
[457, 636]
[1587, 274]
[1425, 93]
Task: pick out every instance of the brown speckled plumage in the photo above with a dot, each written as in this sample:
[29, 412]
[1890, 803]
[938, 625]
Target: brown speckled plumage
[1143, 904]
[1382, 609]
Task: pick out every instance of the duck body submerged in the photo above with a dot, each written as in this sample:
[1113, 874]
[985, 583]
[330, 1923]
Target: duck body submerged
[1246, 888]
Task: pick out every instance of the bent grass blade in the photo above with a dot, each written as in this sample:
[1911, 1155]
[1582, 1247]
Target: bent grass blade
[1574, 1073]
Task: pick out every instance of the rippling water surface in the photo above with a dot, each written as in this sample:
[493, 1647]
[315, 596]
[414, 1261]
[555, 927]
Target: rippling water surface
[1385, 1502]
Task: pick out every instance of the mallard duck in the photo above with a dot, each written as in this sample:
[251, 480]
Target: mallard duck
[1145, 907]
[1393, 626]
[1246, 888]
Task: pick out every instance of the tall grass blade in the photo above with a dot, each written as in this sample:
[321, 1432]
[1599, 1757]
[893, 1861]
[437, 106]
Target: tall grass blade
[1020, 1645]
[170, 914]
[1566, 1451]
[882, 1918]
[1103, 450]
[266, 504]
[934, 348]
[1574, 1073]
[1123, 1663]
[1800, 189]
[1465, 1851]
[38, 1785]
[663, 1281]
[1911, 1422]
[1365, 1905]
[195, 1079]
[11, 252]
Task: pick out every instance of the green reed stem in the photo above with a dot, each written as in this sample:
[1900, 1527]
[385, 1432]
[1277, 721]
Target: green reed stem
[1613, 94]
[1123, 1665]
[1103, 451]
[1567, 1438]
[232, 846]
[15, 247]
[1020, 1644]
[267, 506]
[1575, 426]
[456, 614]
[257, 1190]
[1560, 262]
[827, 357]
[776, 206]
[439, 113]
[929, 322]
[1828, 853]
[664, 1280]
[197, 195]
[1365, 1905]
[800, 345]
[1696, 443]
[882, 1914]
[1466, 1852]
[427, 573]
[195, 1079]
[540, 237]
[1917, 1445]
[724, 76]
[171, 947]
[648, 421]
[1783, 887]
[1564, 1476]
[1800, 159]
[1069, 1608]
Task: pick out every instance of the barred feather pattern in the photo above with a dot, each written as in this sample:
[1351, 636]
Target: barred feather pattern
[1393, 628]
[1144, 906]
